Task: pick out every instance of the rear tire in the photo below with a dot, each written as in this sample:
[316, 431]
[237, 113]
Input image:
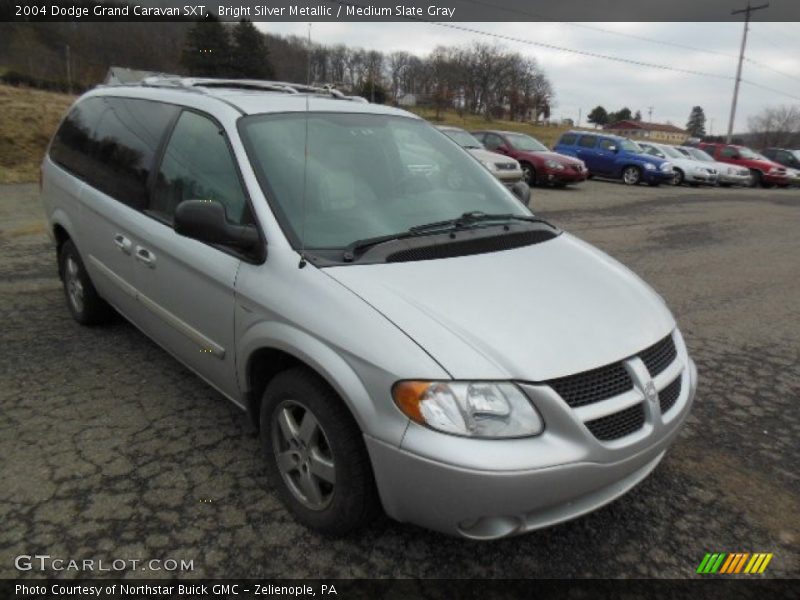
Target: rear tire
[319, 468]
[83, 301]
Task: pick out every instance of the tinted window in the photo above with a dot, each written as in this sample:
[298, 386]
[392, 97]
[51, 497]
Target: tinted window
[729, 152]
[568, 139]
[71, 144]
[198, 165]
[124, 146]
[587, 141]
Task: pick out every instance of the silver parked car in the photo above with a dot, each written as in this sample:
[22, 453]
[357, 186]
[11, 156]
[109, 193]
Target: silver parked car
[403, 337]
[727, 174]
[687, 169]
[506, 169]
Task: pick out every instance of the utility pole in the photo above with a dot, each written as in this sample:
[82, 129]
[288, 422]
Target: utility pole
[650, 113]
[69, 71]
[747, 12]
[308, 68]
[578, 124]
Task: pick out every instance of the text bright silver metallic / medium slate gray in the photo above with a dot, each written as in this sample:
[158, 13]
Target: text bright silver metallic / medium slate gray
[402, 330]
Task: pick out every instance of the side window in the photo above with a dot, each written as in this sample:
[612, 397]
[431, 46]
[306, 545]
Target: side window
[587, 141]
[492, 141]
[72, 142]
[568, 139]
[198, 165]
[729, 152]
[607, 144]
[480, 137]
[124, 145]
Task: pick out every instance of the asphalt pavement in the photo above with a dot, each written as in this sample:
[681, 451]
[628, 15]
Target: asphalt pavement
[113, 450]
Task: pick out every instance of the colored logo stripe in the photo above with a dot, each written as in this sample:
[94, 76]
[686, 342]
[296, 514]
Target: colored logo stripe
[731, 563]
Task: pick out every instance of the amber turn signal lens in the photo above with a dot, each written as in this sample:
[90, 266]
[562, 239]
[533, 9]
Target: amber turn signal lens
[407, 395]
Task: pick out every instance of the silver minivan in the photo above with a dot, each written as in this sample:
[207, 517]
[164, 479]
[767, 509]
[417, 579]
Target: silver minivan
[402, 330]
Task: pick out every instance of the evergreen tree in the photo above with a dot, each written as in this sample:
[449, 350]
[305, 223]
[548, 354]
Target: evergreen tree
[696, 125]
[207, 51]
[598, 116]
[250, 55]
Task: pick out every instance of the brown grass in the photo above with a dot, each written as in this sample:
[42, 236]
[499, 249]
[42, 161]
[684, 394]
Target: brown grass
[547, 134]
[28, 118]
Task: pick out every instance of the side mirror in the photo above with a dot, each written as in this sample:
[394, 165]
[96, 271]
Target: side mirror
[523, 192]
[205, 220]
[502, 148]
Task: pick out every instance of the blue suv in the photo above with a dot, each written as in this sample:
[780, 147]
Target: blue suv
[615, 157]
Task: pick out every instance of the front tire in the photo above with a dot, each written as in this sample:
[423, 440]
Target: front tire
[316, 458]
[756, 178]
[678, 178]
[84, 303]
[529, 174]
[631, 175]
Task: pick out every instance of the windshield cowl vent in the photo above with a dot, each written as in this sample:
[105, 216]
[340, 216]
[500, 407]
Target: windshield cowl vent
[481, 245]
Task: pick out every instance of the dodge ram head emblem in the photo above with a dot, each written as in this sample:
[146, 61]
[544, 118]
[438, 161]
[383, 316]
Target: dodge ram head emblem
[650, 391]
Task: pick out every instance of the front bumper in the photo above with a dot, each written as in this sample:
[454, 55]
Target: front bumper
[733, 179]
[775, 179]
[703, 177]
[487, 489]
[657, 176]
[565, 176]
[508, 177]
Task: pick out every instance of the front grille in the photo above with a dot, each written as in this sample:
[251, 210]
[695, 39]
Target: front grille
[659, 356]
[669, 395]
[505, 166]
[479, 245]
[577, 168]
[593, 386]
[618, 425]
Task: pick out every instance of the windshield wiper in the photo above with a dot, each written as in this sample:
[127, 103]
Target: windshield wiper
[465, 221]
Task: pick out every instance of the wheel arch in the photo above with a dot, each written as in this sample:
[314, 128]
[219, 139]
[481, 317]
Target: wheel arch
[270, 348]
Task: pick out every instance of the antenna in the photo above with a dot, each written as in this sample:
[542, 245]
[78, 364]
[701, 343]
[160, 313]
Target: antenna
[303, 261]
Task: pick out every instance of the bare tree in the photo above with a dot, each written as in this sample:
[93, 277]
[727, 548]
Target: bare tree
[776, 125]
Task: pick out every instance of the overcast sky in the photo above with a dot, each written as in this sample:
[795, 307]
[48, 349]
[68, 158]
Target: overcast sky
[581, 82]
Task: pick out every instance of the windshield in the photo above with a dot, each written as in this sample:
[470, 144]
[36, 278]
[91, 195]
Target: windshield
[367, 175]
[526, 143]
[747, 153]
[700, 154]
[671, 152]
[630, 146]
[462, 138]
[796, 154]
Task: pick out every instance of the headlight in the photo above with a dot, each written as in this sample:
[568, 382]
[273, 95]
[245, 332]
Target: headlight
[489, 165]
[479, 409]
[649, 166]
[666, 167]
[554, 165]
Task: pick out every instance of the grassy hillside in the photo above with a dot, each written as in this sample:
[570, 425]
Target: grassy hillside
[545, 134]
[29, 118]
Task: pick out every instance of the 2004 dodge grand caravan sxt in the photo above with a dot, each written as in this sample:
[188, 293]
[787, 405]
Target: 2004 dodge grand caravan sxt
[402, 330]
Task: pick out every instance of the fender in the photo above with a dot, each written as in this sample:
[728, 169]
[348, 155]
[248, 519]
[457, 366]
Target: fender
[328, 363]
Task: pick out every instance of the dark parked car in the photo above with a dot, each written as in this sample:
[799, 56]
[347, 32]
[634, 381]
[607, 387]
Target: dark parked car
[615, 157]
[540, 165]
[783, 156]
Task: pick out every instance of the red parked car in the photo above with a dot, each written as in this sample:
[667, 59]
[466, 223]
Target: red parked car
[540, 165]
[763, 171]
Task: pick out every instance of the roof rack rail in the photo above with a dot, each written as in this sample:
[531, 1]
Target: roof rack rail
[205, 83]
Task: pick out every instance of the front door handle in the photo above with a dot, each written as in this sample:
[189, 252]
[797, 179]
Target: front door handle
[143, 255]
[123, 243]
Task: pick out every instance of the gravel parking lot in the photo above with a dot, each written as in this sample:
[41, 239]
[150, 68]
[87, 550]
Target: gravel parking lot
[111, 449]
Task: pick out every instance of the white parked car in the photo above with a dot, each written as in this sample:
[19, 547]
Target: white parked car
[687, 169]
[505, 168]
[727, 174]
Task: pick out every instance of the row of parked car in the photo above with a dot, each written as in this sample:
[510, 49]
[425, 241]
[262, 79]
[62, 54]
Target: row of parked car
[579, 155]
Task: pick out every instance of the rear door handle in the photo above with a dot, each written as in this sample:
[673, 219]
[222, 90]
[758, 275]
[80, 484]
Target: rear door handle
[143, 255]
[123, 243]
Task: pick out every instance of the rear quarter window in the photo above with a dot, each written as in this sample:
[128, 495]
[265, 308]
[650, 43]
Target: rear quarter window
[124, 145]
[71, 145]
[568, 139]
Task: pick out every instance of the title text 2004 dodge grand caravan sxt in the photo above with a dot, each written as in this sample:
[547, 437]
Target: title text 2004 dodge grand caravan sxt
[401, 329]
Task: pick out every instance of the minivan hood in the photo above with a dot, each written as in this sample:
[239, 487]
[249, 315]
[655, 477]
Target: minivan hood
[532, 313]
[492, 157]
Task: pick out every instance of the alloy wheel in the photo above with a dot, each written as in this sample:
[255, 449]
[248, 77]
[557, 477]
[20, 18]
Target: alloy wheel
[74, 284]
[303, 455]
